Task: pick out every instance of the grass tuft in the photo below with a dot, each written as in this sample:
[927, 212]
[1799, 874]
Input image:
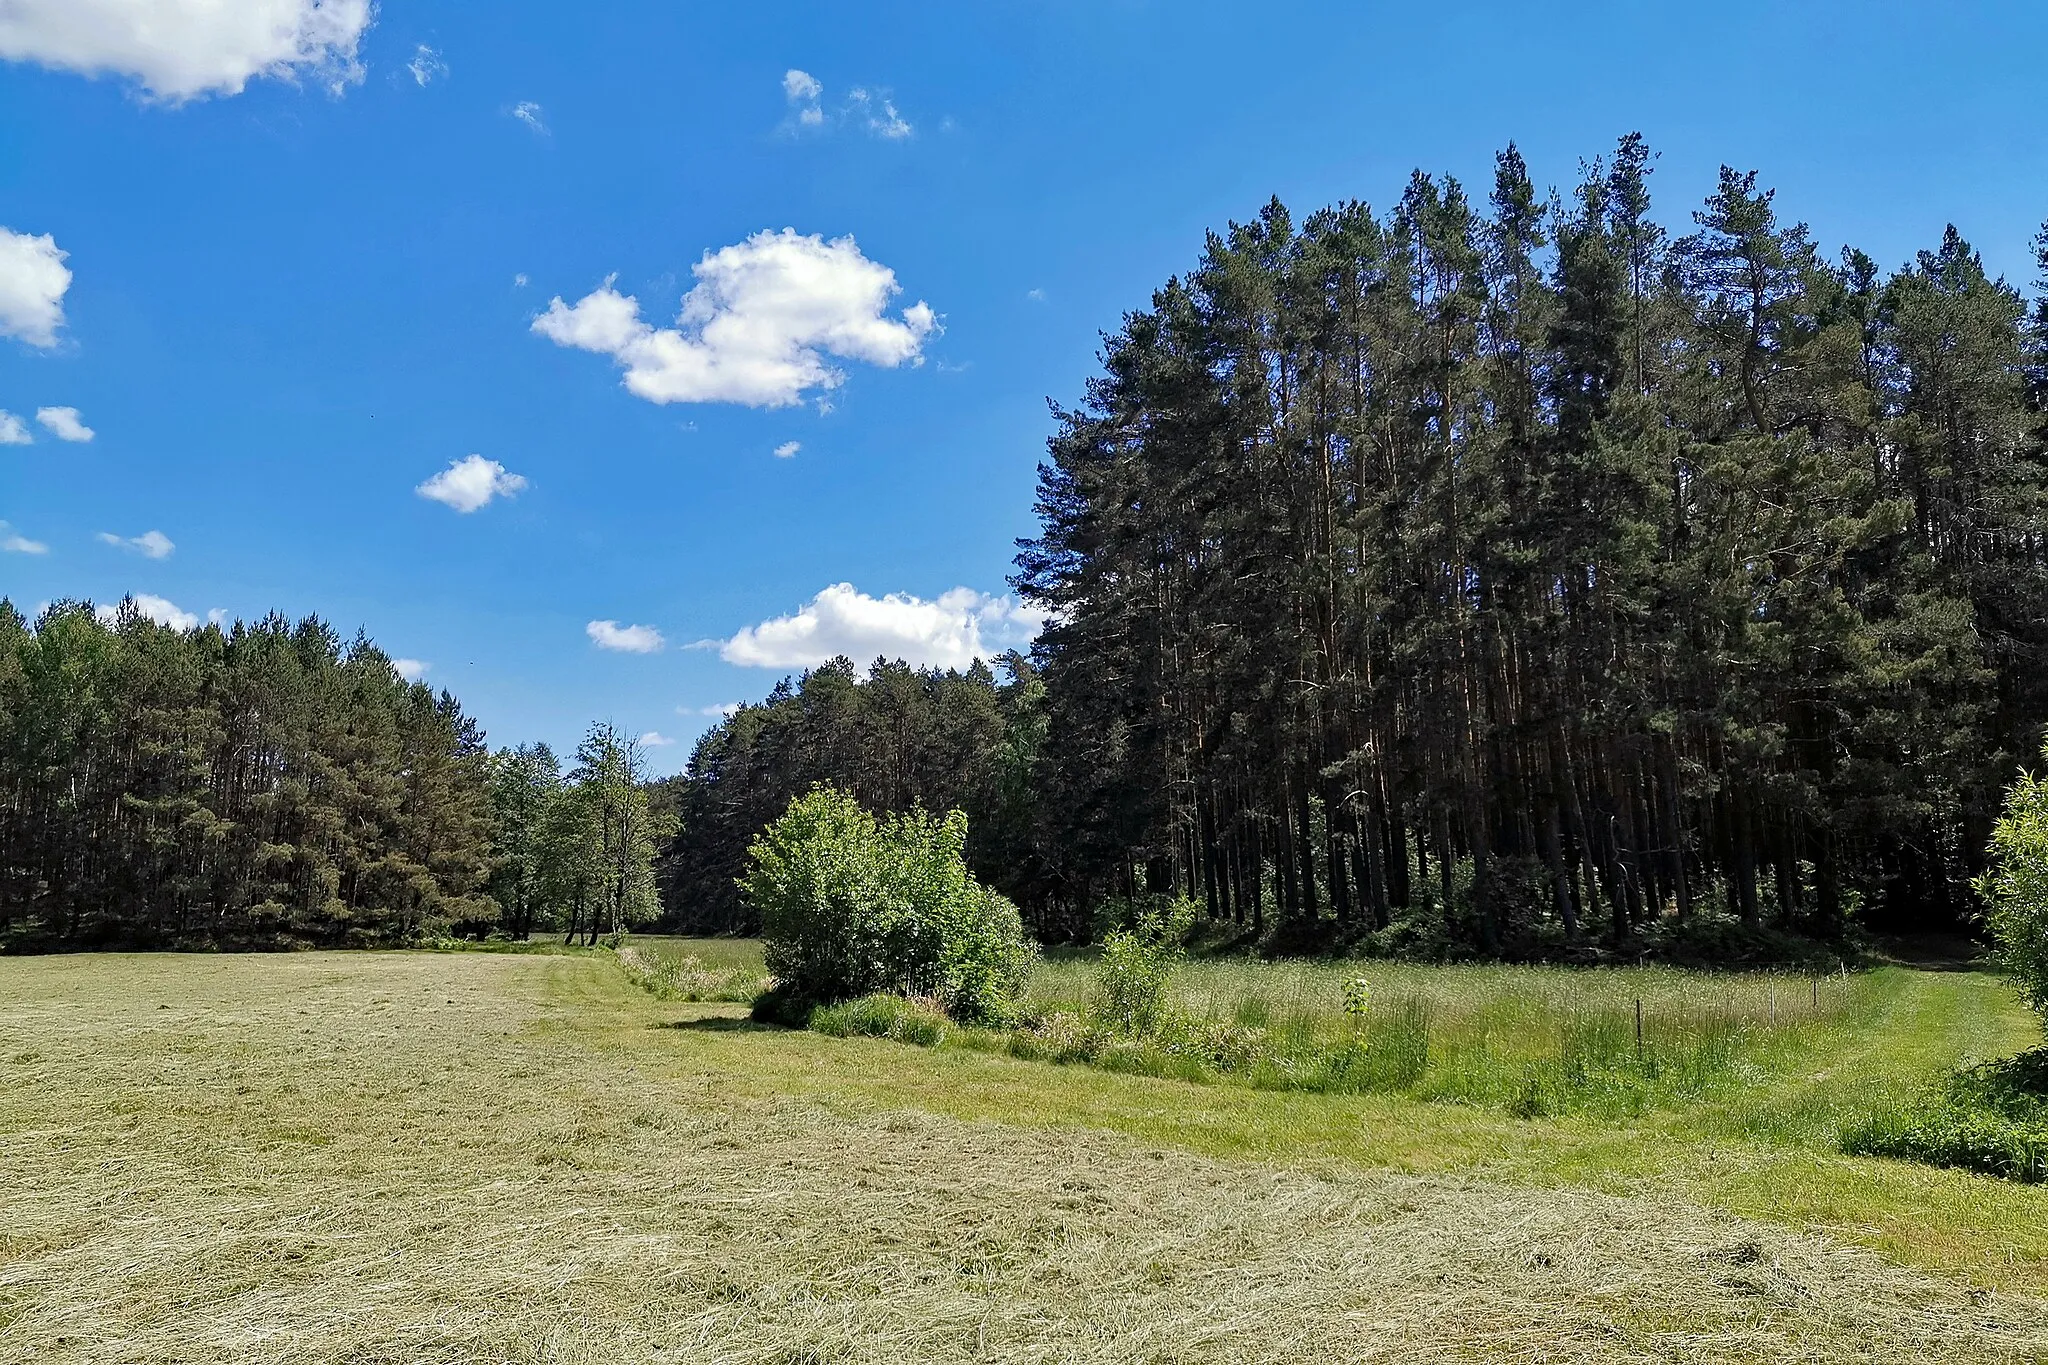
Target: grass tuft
[921, 1023]
[707, 971]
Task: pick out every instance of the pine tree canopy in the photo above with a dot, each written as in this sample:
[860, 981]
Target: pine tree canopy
[1499, 573]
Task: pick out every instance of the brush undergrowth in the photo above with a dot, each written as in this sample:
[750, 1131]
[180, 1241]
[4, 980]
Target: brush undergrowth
[1992, 1119]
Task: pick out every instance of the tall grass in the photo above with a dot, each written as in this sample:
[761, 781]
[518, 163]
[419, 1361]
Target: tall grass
[1528, 1039]
[1533, 1040]
[696, 969]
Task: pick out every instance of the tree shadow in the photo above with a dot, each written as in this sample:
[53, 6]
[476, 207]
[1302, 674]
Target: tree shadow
[722, 1023]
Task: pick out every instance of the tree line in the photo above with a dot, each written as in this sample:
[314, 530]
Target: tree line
[1532, 575]
[899, 739]
[1517, 578]
[272, 784]
[1514, 577]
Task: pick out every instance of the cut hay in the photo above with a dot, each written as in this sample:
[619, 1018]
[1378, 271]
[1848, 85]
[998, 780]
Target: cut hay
[392, 1158]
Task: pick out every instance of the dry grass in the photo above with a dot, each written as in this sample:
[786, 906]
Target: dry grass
[505, 1158]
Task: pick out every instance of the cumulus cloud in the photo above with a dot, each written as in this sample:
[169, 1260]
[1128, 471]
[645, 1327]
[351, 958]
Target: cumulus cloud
[426, 65]
[757, 326]
[787, 449]
[150, 544]
[528, 113]
[412, 670]
[949, 631]
[161, 610]
[183, 49]
[13, 431]
[471, 482]
[723, 709]
[63, 423]
[519, 280]
[802, 90]
[33, 280]
[625, 639]
[13, 543]
[655, 739]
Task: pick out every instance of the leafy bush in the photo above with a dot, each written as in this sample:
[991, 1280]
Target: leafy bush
[852, 905]
[2016, 888]
[1991, 1118]
[918, 1022]
[1138, 965]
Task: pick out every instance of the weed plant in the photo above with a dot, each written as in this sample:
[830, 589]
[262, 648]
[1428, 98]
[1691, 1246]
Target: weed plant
[1991, 1118]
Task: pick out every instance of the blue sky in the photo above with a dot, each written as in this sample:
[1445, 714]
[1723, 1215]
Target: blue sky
[305, 276]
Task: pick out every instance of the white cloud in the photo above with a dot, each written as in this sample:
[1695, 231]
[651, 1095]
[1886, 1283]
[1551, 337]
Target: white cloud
[412, 670]
[63, 423]
[182, 49]
[949, 631]
[872, 111]
[757, 326]
[13, 431]
[655, 739]
[802, 90]
[528, 113]
[33, 280]
[626, 639]
[471, 482]
[150, 544]
[519, 280]
[788, 449]
[1035, 295]
[723, 709]
[12, 543]
[161, 610]
[877, 113]
[426, 65]
[216, 616]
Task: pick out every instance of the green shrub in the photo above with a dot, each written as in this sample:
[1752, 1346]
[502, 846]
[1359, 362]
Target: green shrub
[918, 1022]
[852, 905]
[1991, 1118]
[1138, 965]
[2016, 888]
[1943, 1133]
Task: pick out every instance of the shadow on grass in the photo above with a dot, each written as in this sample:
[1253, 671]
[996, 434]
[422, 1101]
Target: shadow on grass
[723, 1023]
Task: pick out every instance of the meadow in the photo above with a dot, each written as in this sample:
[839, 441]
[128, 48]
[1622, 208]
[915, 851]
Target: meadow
[537, 1157]
[1776, 1056]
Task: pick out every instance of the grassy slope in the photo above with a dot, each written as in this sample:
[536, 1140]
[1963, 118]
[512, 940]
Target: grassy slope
[449, 1157]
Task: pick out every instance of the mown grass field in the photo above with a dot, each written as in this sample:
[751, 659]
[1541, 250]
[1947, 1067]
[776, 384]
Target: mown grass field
[477, 1157]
